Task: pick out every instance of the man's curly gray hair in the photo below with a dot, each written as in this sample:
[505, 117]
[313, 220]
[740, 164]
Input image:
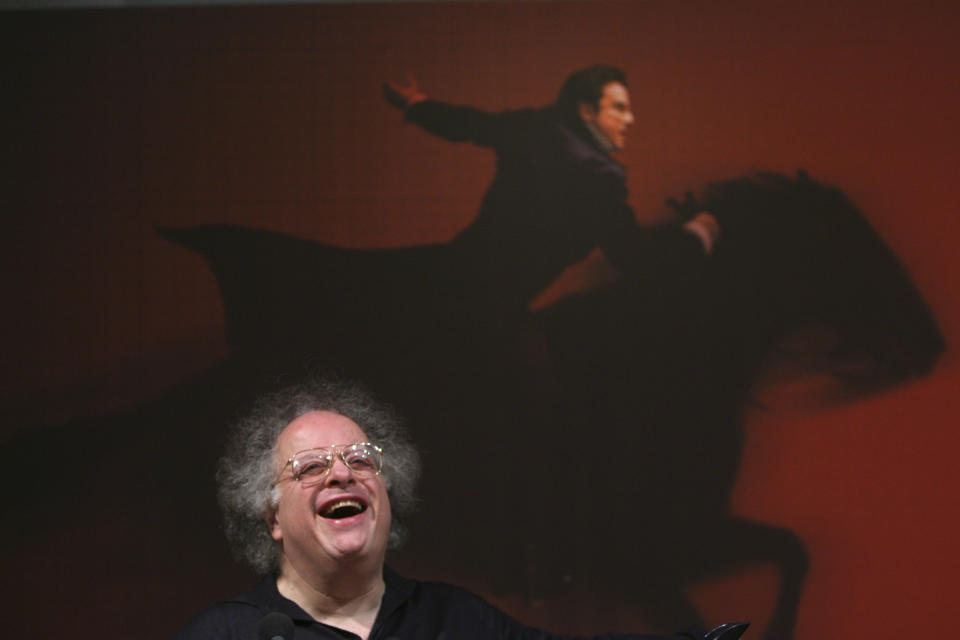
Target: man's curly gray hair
[247, 470]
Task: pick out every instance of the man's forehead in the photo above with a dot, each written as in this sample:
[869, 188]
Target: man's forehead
[615, 92]
[318, 429]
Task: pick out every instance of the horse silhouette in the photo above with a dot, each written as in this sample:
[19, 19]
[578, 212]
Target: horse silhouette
[655, 377]
[639, 385]
[649, 374]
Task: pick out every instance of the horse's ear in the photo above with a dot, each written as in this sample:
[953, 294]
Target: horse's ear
[685, 208]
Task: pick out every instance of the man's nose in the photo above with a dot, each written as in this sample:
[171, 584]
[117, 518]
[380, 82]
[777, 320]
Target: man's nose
[628, 118]
[340, 474]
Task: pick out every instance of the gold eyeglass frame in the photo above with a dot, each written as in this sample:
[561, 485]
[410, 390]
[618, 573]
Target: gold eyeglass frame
[338, 450]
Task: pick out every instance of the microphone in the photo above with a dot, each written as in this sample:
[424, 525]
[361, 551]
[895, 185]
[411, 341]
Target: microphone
[276, 626]
[727, 631]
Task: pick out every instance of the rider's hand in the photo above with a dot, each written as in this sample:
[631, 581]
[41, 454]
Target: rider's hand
[403, 95]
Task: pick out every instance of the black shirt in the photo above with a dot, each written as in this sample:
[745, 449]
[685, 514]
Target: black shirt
[409, 610]
[555, 197]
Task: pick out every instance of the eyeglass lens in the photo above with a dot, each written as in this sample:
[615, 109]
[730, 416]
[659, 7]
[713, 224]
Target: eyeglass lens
[314, 465]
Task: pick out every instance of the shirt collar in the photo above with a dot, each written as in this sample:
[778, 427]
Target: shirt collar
[267, 598]
[601, 139]
[398, 591]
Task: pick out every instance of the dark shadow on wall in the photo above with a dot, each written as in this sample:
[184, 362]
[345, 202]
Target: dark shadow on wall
[588, 443]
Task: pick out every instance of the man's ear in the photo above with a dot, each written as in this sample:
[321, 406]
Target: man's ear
[273, 524]
[588, 112]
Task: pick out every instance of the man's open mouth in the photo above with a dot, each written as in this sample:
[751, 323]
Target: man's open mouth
[343, 509]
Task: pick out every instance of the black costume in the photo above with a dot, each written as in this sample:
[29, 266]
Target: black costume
[409, 610]
[556, 196]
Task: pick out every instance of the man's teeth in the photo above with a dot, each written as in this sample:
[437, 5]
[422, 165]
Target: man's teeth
[343, 509]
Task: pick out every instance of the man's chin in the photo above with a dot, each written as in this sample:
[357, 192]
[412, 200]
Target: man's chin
[348, 547]
[351, 542]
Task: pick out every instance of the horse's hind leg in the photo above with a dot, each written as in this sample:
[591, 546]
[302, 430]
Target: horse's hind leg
[668, 608]
[794, 563]
[751, 542]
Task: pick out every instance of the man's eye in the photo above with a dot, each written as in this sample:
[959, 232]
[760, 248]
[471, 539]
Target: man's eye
[312, 468]
[360, 463]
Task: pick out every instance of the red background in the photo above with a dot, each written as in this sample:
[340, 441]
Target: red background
[119, 120]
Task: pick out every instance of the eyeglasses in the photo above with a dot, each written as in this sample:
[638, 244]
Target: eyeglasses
[311, 466]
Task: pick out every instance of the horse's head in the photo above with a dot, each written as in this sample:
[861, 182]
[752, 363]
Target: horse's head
[796, 253]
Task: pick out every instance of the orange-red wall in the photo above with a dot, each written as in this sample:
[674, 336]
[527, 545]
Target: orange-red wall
[119, 120]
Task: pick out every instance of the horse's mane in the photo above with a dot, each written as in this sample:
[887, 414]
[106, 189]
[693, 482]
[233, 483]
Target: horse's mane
[802, 253]
[756, 203]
